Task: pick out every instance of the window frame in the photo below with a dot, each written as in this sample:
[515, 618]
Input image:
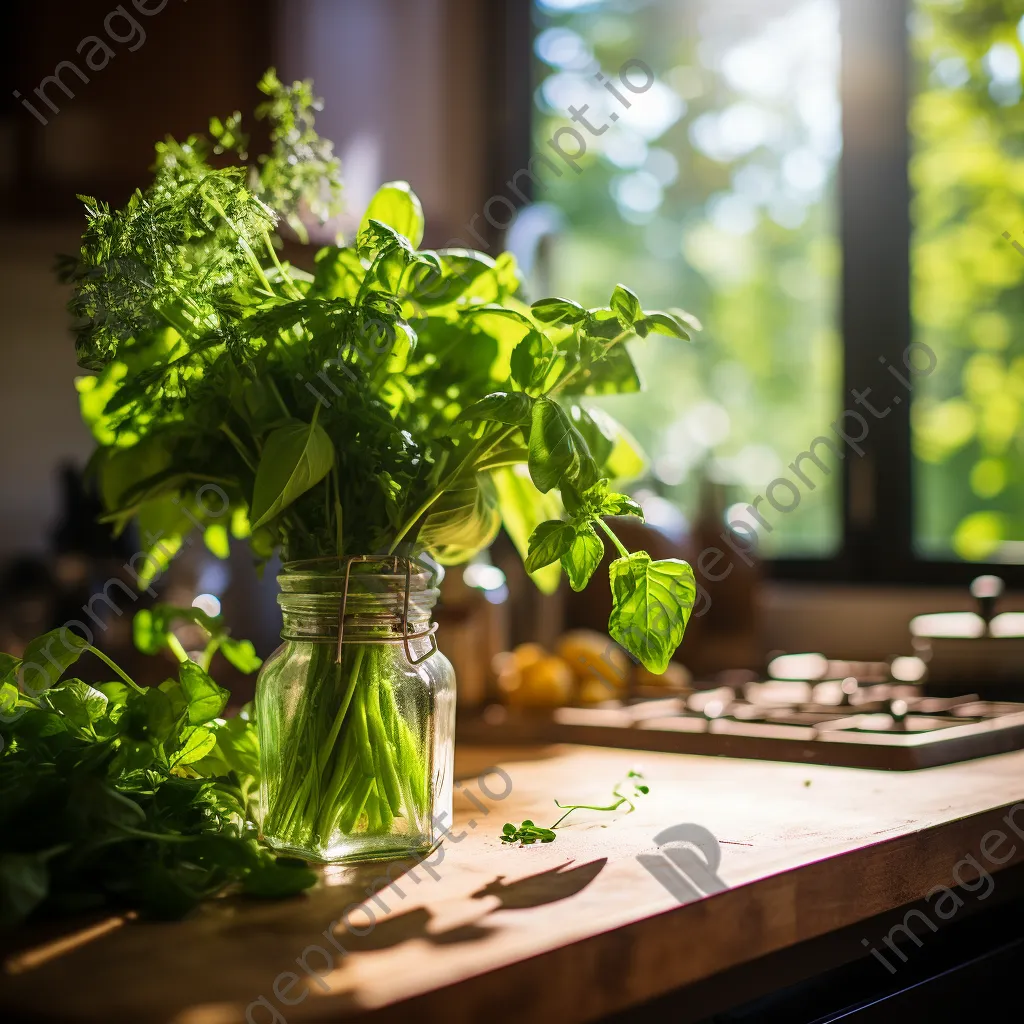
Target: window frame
[874, 195]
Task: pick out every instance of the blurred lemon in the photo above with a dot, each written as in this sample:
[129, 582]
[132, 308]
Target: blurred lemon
[546, 682]
[591, 656]
[595, 691]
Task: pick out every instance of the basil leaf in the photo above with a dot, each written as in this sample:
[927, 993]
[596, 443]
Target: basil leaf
[651, 604]
[10, 698]
[599, 443]
[548, 543]
[78, 702]
[396, 205]
[241, 654]
[557, 449]
[554, 311]
[196, 743]
[523, 508]
[664, 323]
[206, 700]
[8, 666]
[626, 306]
[464, 521]
[510, 407]
[583, 556]
[48, 657]
[529, 360]
[687, 319]
[117, 693]
[295, 458]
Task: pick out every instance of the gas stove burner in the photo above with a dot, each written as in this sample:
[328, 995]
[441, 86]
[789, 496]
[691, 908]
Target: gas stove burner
[883, 725]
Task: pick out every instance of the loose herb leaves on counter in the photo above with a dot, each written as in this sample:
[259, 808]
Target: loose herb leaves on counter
[387, 399]
[528, 833]
[117, 794]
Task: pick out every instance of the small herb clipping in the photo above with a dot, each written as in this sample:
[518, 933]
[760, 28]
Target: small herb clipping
[528, 833]
[384, 398]
[118, 794]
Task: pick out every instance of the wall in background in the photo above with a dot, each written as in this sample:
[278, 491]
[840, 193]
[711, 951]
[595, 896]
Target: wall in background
[38, 405]
[405, 98]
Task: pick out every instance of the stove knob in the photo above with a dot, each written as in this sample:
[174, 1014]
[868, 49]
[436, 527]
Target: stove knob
[898, 712]
[987, 590]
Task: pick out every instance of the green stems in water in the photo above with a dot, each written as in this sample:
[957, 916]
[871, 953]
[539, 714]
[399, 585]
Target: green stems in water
[345, 760]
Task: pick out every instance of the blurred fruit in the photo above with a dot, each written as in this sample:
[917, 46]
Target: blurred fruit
[528, 654]
[596, 691]
[546, 682]
[593, 656]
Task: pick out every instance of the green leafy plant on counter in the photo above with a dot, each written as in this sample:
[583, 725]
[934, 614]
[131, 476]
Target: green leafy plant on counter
[387, 400]
[118, 794]
[528, 833]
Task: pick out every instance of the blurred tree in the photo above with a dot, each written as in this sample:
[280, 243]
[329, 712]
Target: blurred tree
[713, 190]
[967, 127]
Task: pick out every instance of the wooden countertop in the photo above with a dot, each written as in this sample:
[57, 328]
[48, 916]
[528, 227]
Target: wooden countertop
[563, 931]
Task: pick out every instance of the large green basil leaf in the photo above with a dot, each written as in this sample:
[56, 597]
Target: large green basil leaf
[662, 323]
[583, 557]
[558, 311]
[206, 700]
[651, 605]
[396, 205]
[557, 449]
[523, 509]
[510, 407]
[295, 458]
[48, 657]
[593, 431]
[463, 521]
[195, 743]
[8, 666]
[626, 306]
[78, 703]
[548, 543]
[529, 360]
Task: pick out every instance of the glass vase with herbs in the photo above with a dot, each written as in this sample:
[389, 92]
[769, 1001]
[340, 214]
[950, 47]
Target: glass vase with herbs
[379, 412]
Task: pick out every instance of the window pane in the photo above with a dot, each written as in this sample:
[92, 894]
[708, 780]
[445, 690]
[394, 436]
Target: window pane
[714, 191]
[967, 128]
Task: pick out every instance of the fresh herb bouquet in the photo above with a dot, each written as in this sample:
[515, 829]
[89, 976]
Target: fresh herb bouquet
[391, 400]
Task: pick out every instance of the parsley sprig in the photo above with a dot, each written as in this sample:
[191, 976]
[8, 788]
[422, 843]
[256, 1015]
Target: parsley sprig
[528, 833]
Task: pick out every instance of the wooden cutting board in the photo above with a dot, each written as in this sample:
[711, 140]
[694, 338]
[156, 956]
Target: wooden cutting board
[565, 931]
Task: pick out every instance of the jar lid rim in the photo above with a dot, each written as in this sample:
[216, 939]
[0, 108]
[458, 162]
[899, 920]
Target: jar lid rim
[387, 571]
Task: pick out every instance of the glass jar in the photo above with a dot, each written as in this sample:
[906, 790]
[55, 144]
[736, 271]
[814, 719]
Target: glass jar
[356, 713]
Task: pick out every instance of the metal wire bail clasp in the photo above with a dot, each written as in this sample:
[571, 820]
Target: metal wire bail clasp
[406, 635]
